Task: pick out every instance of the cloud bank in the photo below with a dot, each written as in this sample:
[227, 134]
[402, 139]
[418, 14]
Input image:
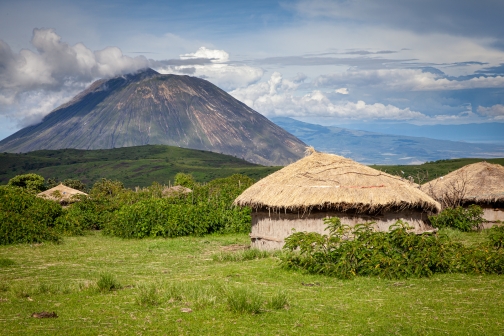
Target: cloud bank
[276, 97]
[32, 82]
[407, 80]
[213, 65]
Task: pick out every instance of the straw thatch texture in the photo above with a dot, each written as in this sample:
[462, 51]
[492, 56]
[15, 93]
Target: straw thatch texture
[479, 183]
[175, 191]
[61, 194]
[330, 182]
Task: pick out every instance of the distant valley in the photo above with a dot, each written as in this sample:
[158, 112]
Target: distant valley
[384, 149]
[474, 133]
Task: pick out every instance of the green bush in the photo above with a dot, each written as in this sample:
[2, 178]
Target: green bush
[348, 252]
[71, 183]
[460, 218]
[31, 182]
[106, 187]
[25, 218]
[160, 218]
[207, 209]
[496, 237]
[185, 180]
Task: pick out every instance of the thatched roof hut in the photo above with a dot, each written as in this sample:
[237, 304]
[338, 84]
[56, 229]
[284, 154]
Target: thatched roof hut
[61, 194]
[479, 183]
[320, 185]
[175, 191]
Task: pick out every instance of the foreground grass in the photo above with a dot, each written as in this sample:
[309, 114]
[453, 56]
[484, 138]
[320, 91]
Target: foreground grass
[189, 286]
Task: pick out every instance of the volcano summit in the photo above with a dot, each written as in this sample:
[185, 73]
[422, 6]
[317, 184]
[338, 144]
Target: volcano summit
[151, 108]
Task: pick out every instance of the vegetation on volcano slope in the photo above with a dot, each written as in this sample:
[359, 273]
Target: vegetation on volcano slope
[133, 166]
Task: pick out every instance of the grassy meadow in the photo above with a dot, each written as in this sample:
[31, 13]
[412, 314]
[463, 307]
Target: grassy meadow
[212, 285]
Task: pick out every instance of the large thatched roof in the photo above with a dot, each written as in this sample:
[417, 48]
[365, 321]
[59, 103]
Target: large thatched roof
[327, 181]
[480, 182]
[61, 193]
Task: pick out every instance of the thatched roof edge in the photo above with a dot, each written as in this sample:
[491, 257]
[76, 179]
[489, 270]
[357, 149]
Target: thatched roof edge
[331, 182]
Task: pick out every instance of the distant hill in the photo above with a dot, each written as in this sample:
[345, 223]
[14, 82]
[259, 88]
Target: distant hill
[134, 166]
[150, 108]
[142, 165]
[384, 149]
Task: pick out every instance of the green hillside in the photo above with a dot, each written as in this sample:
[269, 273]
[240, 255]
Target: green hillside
[134, 166]
[431, 170]
[142, 165]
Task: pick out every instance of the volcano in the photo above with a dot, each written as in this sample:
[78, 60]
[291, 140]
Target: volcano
[150, 108]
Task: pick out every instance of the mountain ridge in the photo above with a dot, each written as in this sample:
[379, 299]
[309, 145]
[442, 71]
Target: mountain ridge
[150, 108]
[384, 149]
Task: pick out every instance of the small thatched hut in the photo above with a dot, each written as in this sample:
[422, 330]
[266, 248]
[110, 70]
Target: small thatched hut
[175, 191]
[62, 194]
[479, 183]
[318, 186]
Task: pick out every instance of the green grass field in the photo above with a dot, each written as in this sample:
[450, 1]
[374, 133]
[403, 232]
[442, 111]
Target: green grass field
[162, 278]
[134, 166]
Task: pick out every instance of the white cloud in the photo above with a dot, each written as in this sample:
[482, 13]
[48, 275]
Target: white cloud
[343, 91]
[496, 111]
[218, 70]
[406, 80]
[216, 56]
[33, 83]
[276, 98]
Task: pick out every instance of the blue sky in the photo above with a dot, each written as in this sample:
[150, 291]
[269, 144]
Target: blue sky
[328, 62]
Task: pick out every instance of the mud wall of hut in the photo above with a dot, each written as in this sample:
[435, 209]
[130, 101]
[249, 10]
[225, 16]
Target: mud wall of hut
[270, 229]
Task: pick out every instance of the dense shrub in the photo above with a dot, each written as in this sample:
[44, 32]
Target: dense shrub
[347, 252]
[161, 218]
[81, 216]
[145, 213]
[106, 187]
[496, 237]
[185, 180]
[207, 209]
[25, 218]
[31, 182]
[460, 218]
[105, 198]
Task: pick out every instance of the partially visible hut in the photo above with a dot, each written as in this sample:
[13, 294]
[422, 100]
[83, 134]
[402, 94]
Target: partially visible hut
[479, 183]
[299, 197]
[175, 191]
[62, 194]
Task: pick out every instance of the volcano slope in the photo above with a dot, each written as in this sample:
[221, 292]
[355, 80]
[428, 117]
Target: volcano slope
[151, 108]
